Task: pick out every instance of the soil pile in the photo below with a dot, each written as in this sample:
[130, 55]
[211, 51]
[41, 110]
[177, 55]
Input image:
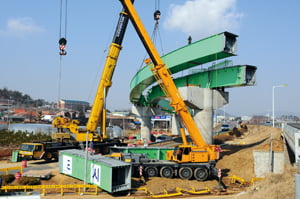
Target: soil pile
[273, 186]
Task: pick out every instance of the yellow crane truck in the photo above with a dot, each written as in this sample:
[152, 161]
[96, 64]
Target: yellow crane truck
[43, 150]
[187, 160]
[98, 112]
[69, 133]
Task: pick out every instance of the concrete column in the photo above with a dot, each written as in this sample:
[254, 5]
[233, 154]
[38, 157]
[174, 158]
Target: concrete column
[204, 117]
[175, 125]
[145, 113]
[203, 101]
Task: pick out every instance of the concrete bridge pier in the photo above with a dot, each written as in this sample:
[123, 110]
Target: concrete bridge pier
[203, 101]
[145, 113]
[175, 126]
[204, 117]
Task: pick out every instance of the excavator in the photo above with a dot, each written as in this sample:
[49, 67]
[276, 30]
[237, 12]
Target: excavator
[187, 160]
[98, 113]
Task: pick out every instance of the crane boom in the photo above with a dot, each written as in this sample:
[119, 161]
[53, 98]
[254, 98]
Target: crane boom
[105, 81]
[165, 79]
[98, 112]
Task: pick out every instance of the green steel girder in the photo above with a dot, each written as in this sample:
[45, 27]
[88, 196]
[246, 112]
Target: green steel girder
[226, 77]
[212, 48]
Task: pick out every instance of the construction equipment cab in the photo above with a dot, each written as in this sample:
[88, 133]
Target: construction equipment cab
[31, 150]
[44, 150]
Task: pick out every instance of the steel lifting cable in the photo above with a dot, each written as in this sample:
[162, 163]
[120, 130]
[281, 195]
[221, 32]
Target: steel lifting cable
[156, 16]
[63, 21]
[62, 41]
[156, 31]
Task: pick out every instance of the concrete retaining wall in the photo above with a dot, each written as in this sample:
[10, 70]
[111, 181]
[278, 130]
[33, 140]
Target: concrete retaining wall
[262, 162]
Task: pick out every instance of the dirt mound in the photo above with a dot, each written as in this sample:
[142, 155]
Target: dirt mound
[273, 186]
[6, 151]
[237, 158]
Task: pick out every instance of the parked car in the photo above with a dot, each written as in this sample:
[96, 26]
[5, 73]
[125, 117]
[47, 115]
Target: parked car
[163, 138]
[225, 127]
[268, 123]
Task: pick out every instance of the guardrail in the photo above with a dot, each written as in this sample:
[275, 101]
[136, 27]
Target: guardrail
[11, 168]
[292, 137]
[78, 188]
[171, 193]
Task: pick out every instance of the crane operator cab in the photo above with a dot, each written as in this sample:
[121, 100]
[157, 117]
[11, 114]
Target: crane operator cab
[180, 154]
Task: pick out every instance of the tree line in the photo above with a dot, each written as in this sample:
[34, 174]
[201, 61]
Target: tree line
[18, 98]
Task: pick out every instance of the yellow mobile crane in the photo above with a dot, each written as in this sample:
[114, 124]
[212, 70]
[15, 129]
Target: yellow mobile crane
[198, 159]
[98, 112]
[68, 127]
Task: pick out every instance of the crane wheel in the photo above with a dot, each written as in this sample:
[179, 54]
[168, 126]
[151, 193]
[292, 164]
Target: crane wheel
[185, 173]
[166, 172]
[55, 156]
[201, 174]
[151, 171]
[48, 156]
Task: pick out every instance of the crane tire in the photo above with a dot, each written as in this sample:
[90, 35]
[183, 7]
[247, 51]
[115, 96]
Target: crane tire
[48, 156]
[201, 174]
[166, 172]
[185, 173]
[151, 171]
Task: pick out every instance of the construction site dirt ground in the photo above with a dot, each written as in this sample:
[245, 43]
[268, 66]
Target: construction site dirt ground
[236, 159]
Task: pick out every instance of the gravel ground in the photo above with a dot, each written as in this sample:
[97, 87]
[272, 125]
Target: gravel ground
[236, 159]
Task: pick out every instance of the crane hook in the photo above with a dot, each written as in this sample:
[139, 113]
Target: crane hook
[156, 15]
[62, 46]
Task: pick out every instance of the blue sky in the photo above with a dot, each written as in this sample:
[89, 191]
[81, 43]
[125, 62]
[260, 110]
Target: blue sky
[29, 54]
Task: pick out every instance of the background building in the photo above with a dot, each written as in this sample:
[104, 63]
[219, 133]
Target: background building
[72, 105]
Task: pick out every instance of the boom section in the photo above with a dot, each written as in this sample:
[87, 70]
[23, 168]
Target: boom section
[163, 76]
[98, 113]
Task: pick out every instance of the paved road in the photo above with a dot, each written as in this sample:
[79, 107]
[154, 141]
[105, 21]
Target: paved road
[295, 125]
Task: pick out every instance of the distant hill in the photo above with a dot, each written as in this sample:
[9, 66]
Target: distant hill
[18, 98]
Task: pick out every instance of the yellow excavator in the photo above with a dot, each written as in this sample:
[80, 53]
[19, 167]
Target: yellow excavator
[98, 112]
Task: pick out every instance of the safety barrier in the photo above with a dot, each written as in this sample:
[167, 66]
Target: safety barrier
[11, 168]
[79, 187]
[235, 179]
[177, 192]
[253, 180]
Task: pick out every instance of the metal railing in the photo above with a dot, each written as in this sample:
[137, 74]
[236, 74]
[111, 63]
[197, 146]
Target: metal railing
[6, 170]
[75, 188]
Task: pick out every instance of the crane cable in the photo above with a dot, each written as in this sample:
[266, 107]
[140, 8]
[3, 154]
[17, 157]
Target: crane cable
[156, 32]
[62, 42]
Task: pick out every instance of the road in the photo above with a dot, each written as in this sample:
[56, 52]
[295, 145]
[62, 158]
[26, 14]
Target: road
[295, 125]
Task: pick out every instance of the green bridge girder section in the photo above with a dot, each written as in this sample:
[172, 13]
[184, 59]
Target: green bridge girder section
[210, 49]
[225, 77]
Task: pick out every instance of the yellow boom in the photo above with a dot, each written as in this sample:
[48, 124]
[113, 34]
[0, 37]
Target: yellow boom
[161, 71]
